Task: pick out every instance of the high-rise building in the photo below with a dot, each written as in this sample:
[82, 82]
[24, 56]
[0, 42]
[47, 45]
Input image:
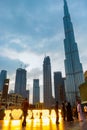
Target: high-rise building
[3, 76]
[59, 88]
[73, 67]
[36, 91]
[47, 82]
[5, 90]
[20, 82]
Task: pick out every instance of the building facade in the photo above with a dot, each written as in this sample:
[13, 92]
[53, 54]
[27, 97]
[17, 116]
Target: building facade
[20, 82]
[73, 67]
[15, 100]
[83, 92]
[47, 82]
[36, 91]
[59, 87]
[5, 89]
[3, 76]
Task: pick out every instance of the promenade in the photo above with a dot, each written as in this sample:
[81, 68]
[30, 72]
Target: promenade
[47, 125]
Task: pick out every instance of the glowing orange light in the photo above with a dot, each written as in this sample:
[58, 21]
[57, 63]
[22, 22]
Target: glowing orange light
[53, 116]
[36, 114]
[7, 115]
[45, 114]
[45, 117]
[29, 116]
[60, 116]
[15, 122]
[36, 122]
[6, 122]
[16, 114]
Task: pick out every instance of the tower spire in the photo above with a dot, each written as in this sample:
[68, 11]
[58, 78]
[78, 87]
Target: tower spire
[66, 11]
[73, 67]
[64, 1]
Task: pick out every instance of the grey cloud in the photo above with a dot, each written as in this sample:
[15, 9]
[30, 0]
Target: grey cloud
[34, 73]
[9, 64]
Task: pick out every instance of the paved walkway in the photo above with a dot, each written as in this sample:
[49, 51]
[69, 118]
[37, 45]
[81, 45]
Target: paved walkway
[39, 125]
[73, 125]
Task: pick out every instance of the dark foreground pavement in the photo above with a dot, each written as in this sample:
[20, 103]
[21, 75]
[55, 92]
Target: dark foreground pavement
[39, 125]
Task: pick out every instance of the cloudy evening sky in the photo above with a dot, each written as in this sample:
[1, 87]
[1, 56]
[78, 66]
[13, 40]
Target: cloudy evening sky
[31, 29]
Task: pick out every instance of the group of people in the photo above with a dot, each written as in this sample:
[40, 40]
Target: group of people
[68, 113]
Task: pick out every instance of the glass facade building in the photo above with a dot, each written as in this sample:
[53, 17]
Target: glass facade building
[59, 88]
[3, 76]
[20, 82]
[47, 82]
[73, 67]
[36, 91]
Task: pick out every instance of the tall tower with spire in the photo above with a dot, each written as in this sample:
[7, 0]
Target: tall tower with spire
[20, 82]
[73, 67]
[47, 82]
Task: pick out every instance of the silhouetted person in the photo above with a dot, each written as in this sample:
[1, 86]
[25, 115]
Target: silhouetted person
[57, 114]
[69, 112]
[25, 107]
[63, 111]
[79, 110]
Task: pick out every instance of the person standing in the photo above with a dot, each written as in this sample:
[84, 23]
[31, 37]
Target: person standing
[79, 110]
[25, 107]
[63, 111]
[57, 114]
[69, 112]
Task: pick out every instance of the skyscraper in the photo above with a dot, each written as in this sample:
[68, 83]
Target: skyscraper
[5, 90]
[73, 67]
[47, 83]
[20, 82]
[3, 76]
[36, 91]
[59, 88]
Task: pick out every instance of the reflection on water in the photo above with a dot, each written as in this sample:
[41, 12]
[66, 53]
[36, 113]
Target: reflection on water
[11, 125]
[33, 124]
[42, 120]
[44, 123]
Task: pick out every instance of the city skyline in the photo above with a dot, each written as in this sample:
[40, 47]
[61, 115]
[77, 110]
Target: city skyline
[30, 30]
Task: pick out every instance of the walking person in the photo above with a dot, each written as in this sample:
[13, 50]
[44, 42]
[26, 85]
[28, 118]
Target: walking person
[57, 114]
[69, 112]
[25, 107]
[79, 110]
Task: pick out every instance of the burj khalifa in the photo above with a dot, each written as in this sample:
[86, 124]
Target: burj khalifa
[73, 67]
